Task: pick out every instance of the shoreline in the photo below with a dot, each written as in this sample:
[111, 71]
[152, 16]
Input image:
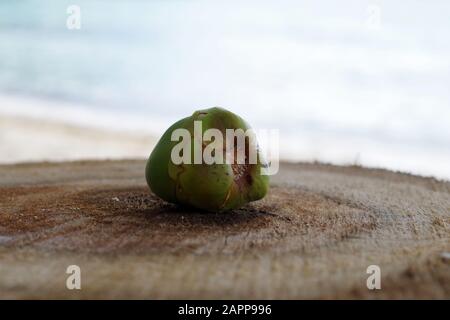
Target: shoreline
[81, 115]
[24, 139]
[33, 130]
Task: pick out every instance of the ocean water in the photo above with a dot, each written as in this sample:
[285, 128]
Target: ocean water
[362, 82]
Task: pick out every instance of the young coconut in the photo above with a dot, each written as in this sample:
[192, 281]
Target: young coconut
[218, 186]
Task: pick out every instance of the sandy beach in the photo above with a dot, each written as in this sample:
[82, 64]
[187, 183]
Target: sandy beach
[313, 236]
[33, 130]
[27, 139]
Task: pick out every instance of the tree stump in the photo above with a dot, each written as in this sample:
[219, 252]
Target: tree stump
[313, 236]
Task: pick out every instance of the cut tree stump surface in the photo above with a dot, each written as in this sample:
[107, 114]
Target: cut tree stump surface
[313, 236]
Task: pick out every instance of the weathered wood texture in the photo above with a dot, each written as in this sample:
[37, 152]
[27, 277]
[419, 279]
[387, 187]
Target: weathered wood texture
[313, 236]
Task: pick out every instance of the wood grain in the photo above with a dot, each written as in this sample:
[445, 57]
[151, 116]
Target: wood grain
[313, 236]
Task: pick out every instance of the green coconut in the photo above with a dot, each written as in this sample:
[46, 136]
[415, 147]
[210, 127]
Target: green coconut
[213, 187]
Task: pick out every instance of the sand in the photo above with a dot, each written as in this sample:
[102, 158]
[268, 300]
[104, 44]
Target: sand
[26, 139]
[313, 236]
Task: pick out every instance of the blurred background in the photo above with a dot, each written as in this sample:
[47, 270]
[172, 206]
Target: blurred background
[346, 82]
